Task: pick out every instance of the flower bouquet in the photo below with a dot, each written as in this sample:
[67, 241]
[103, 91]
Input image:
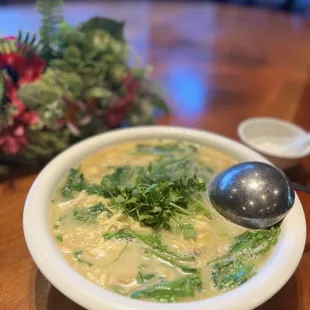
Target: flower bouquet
[72, 83]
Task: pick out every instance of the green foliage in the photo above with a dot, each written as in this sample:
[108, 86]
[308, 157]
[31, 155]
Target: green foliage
[118, 289]
[78, 256]
[166, 149]
[157, 195]
[188, 231]
[7, 46]
[25, 44]
[2, 93]
[231, 272]
[256, 242]
[86, 69]
[86, 54]
[43, 145]
[59, 238]
[57, 225]
[141, 278]
[90, 214]
[51, 11]
[154, 243]
[114, 28]
[171, 291]
[76, 182]
[45, 100]
[232, 269]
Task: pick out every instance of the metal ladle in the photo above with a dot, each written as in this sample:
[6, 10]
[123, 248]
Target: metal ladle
[253, 194]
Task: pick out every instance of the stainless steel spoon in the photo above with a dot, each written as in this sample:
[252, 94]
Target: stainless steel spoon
[252, 194]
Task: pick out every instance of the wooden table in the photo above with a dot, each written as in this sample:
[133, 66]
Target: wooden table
[218, 65]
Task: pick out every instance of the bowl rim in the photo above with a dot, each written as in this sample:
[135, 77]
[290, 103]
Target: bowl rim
[271, 277]
[242, 128]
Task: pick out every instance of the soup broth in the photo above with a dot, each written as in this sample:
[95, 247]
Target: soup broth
[134, 219]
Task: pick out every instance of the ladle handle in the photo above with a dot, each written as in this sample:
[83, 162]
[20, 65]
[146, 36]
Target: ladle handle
[301, 188]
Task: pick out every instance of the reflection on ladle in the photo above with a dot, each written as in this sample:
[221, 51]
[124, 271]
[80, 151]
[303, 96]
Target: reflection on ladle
[253, 194]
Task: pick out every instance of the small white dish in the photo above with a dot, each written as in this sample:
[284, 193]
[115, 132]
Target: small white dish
[271, 136]
[270, 278]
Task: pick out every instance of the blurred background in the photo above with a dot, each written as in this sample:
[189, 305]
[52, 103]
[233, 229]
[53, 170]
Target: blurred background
[295, 6]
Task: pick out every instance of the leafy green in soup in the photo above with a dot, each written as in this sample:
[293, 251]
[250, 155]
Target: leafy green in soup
[135, 219]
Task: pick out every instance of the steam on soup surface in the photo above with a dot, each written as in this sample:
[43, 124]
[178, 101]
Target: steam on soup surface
[134, 219]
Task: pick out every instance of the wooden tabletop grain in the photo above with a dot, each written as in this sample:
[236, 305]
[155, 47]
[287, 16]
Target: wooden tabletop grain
[217, 65]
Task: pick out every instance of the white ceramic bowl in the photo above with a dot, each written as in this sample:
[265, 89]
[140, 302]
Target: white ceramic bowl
[270, 136]
[274, 274]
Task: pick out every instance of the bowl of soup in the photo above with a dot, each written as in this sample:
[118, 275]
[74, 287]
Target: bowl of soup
[122, 221]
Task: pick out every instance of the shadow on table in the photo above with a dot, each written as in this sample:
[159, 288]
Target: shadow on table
[49, 298]
[298, 174]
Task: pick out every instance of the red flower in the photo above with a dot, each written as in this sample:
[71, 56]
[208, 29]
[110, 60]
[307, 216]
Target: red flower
[13, 138]
[116, 114]
[9, 38]
[26, 69]
[131, 84]
[12, 94]
[21, 70]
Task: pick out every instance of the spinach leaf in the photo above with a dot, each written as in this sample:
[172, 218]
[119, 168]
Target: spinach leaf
[90, 214]
[167, 149]
[58, 223]
[188, 231]
[152, 241]
[181, 227]
[59, 237]
[141, 278]
[171, 291]
[231, 272]
[118, 289]
[256, 242]
[154, 244]
[75, 182]
[77, 255]
[122, 176]
[198, 207]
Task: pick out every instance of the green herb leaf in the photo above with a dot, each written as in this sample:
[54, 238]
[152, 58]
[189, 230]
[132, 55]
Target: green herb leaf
[154, 195]
[59, 238]
[118, 289]
[75, 182]
[152, 241]
[188, 231]
[58, 223]
[256, 242]
[90, 214]
[141, 278]
[154, 244]
[171, 291]
[77, 255]
[165, 149]
[230, 272]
